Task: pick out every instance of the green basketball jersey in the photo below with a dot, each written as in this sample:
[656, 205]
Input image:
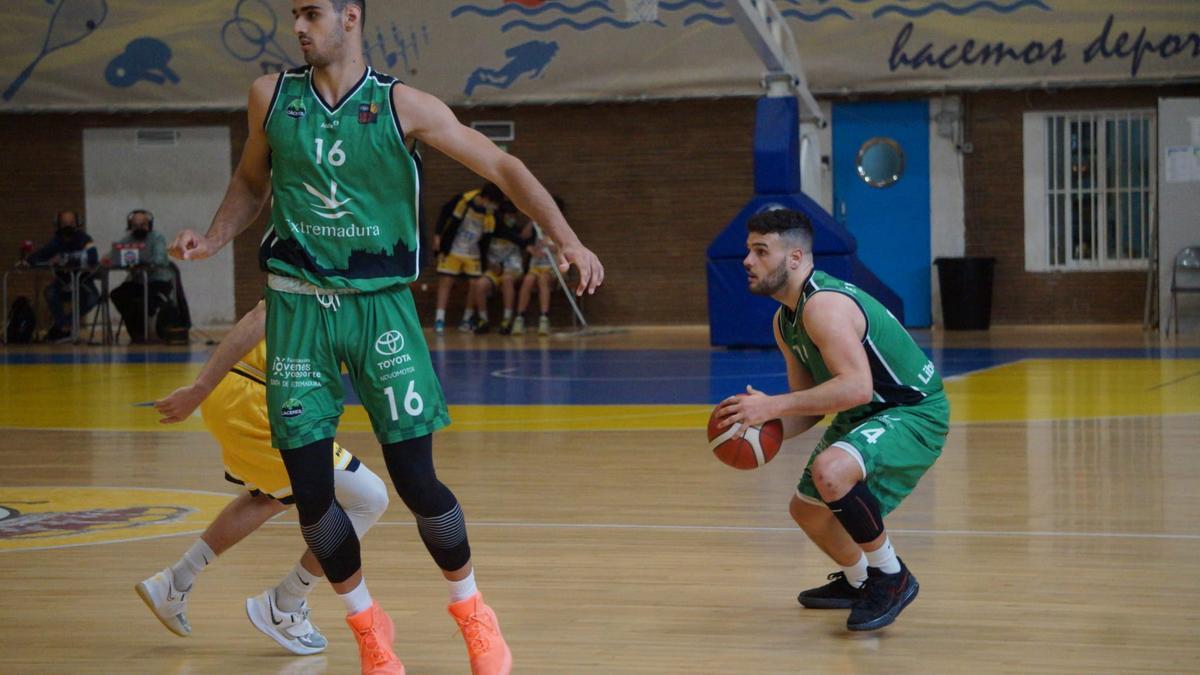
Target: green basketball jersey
[346, 189]
[900, 371]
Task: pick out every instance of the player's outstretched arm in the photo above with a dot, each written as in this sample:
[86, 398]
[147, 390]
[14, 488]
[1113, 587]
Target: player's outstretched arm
[431, 121]
[248, 188]
[246, 334]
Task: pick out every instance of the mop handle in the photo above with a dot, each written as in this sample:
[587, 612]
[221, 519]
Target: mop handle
[561, 281]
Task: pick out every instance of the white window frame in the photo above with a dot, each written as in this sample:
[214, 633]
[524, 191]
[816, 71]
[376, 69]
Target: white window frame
[1038, 192]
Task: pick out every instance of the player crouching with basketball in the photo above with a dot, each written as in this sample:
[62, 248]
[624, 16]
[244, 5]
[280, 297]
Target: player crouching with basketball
[232, 395]
[848, 356]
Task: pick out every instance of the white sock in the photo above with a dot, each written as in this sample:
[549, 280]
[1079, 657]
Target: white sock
[291, 592]
[884, 558]
[468, 314]
[462, 589]
[357, 600]
[508, 314]
[441, 315]
[856, 574]
[483, 317]
[195, 559]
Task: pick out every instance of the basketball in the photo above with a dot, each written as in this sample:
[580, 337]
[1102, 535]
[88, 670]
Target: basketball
[757, 447]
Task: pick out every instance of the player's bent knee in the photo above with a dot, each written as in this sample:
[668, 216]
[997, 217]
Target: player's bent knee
[807, 513]
[333, 542]
[364, 497]
[834, 472]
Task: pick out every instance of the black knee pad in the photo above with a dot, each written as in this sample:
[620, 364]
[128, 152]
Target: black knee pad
[858, 512]
[326, 528]
[445, 537]
[439, 517]
[333, 541]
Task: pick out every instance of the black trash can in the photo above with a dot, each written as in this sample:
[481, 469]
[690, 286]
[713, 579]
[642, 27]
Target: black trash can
[966, 286]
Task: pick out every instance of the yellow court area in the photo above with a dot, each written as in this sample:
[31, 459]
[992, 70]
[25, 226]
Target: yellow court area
[59, 517]
[116, 397]
[1056, 533]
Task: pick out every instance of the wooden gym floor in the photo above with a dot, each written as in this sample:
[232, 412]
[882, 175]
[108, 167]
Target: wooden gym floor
[1058, 533]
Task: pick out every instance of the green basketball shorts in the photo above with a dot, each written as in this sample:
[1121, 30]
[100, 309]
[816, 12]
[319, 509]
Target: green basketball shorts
[894, 448]
[377, 336]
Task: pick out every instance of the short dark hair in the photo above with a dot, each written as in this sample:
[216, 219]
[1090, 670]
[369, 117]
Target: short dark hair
[793, 225]
[58, 217]
[493, 193]
[340, 6]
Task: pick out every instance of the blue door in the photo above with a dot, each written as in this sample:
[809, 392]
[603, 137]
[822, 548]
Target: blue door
[881, 194]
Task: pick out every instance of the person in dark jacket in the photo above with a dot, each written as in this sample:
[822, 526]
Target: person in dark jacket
[69, 249]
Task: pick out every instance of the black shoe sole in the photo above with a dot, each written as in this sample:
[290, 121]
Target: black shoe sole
[825, 603]
[887, 619]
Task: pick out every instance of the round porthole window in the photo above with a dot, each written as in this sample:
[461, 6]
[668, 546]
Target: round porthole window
[880, 162]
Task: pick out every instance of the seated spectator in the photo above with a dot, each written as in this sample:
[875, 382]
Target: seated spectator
[142, 246]
[504, 264]
[460, 231]
[71, 247]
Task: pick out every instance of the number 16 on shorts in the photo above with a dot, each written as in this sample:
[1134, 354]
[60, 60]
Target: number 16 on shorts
[414, 405]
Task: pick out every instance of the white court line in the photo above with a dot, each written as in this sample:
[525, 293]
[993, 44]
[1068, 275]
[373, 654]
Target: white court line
[472, 425]
[791, 530]
[98, 543]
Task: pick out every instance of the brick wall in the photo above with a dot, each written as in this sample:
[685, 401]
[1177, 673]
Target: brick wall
[647, 186]
[995, 215]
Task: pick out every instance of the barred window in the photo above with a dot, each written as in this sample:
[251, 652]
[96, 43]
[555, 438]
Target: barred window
[1090, 181]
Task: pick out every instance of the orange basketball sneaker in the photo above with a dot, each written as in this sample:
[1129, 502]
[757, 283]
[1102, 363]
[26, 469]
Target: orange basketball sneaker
[374, 631]
[486, 647]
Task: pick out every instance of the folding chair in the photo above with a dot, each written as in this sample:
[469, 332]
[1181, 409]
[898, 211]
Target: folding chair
[1185, 278]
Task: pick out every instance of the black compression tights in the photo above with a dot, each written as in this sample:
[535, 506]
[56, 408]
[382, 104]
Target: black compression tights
[326, 528]
[439, 517]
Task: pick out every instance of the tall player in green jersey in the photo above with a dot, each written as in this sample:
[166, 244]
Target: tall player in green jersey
[847, 356]
[333, 142]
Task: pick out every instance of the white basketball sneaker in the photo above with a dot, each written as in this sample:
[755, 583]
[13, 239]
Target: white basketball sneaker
[167, 603]
[291, 630]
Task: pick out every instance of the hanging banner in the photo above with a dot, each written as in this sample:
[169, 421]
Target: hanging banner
[138, 54]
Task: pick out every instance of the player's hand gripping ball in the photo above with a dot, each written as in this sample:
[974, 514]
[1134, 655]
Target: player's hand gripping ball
[758, 446]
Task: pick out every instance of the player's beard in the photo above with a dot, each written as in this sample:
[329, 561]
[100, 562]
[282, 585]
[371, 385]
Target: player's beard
[323, 57]
[772, 282]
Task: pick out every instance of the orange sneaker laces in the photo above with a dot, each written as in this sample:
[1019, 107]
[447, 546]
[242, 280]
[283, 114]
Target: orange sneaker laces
[369, 643]
[473, 628]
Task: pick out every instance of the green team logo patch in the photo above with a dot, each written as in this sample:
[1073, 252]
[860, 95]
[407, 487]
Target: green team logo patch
[295, 109]
[291, 408]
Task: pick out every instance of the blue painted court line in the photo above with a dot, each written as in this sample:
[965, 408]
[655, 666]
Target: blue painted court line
[606, 376]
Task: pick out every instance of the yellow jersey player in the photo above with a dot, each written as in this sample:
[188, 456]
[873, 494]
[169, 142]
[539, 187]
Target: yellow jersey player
[231, 394]
[505, 262]
[457, 242]
[541, 270]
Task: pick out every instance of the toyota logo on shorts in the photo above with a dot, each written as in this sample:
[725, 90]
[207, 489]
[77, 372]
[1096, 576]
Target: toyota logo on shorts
[391, 342]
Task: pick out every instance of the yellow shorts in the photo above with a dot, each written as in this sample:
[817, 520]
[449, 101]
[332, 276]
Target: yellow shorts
[452, 263]
[235, 413]
[537, 270]
[497, 277]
